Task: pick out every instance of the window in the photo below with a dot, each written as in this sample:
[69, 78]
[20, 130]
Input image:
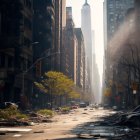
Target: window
[2, 60]
[10, 61]
[0, 24]
[28, 3]
[111, 5]
[111, 19]
[28, 23]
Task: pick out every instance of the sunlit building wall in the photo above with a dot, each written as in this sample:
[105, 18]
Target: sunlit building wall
[69, 47]
[80, 54]
[63, 13]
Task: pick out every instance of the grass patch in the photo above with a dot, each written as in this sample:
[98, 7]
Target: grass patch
[46, 112]
[65, 109]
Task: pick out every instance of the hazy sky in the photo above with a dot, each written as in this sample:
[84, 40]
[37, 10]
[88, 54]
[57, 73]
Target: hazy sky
[97, 24]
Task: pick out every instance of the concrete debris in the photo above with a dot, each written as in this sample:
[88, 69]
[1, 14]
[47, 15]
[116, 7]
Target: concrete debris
[119, 126]
[17, 135]
[31, 120]
[84, 136]
[39, 131]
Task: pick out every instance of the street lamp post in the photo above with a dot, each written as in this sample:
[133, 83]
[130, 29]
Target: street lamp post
[38, 60]
[23, 73]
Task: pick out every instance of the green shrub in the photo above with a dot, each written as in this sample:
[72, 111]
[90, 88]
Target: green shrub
[21, 116]
[46, 112]
[65, 109]
[11, 112]
[4, 114]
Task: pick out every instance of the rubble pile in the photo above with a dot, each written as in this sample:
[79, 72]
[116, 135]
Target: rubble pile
[118, 126]
[30, 120]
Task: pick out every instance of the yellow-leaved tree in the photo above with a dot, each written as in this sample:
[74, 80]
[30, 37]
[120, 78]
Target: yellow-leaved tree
[57, 85]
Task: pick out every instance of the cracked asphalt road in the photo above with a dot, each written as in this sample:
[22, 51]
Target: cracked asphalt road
[63, 127]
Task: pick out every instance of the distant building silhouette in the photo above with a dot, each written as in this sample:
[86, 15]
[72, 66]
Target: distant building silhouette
[73, 62]
[86, 29]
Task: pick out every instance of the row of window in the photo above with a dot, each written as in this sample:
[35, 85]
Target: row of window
[28, 3]
[120, 3]
[0, 23]
[7, 61]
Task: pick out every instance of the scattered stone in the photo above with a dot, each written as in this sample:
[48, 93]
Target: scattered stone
[40, 131]
[85, 136]
[32, 123]
[47, 120]
[33, 115]
[85, 113]
[17, 135]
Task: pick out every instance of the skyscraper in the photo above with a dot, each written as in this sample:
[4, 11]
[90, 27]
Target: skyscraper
[115, 13]
[116, 26]
[86, 29]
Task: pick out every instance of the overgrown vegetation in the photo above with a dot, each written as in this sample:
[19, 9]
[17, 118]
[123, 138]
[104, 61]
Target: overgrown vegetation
[46, 112]
[58, 85]
[11, 113]
[65, 109]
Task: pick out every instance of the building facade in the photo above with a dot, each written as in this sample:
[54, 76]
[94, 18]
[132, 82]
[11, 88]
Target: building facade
[15, 49]
[74, 63]
[29, 31]
[60, 23]
[44, 33]
[114, 15]
[49, 21]
[69, 47]
[80, 58]
[117, 34]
